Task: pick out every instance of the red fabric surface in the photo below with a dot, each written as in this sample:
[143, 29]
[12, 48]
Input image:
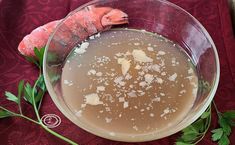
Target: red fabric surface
[18, 18]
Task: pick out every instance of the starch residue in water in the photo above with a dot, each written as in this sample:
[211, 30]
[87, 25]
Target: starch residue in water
[129, 81]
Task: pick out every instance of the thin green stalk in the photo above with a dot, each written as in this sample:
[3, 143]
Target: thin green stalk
[216, 109]
[29, 119]
[20, 109]
[34, 103]
[58, 135]
[13, 113]
[208, 126]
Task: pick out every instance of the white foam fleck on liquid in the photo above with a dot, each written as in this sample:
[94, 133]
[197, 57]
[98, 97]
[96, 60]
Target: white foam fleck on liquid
[132, 94]
[78, 113]
[136, 44]
[172, 77]
[92, 37]
[112, 134]
[108, 120]
[135, 128]
[155, 67]
[159, 80]
[161, 52]
[125, 104]
[182, 91]
[100, 88]
[190, 71]
[138, 67]
[91, 72]
[150, 49]
[121, 99]
[99, 74]
[93, 99]
[82, 48]
[148, 78]
[140, 56]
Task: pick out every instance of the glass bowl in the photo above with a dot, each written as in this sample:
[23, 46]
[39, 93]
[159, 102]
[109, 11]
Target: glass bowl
[157, 16]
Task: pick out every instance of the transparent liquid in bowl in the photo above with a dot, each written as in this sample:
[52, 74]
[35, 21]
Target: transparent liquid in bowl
[129, 82]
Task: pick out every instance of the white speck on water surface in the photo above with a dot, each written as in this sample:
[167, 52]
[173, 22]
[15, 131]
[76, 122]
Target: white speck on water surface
[135, 127]
[99, 74]
[140, 56]
[161, 53]
[150, 49]
[132, 94]
[78, 113]
[172, 77]
[138, 67]
[125, 104]
[159, 80]
[148, 78]
[91, 72]
[112, 134]
[93, 99]
[182, 91]
[92, 37]
[108, 120]
[136, 44]
[82, 48]
[100, 88]
[155, 67]
[121, 99]
[190, 71]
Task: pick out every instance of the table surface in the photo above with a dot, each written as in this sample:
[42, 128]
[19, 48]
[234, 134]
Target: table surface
[18, 18]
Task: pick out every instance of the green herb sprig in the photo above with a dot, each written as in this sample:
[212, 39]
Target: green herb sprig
[195, 132]
[33, 95]
[226, 122]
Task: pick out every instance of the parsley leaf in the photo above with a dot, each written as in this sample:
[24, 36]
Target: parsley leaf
[182, 143]
[39, 54]
[4, 113]
[224, 140]
[217, 134]
[226, 121]
[223, 122]
[27, 93]
[11, 97]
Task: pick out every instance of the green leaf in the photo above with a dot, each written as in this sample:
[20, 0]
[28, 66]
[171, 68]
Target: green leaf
[41, 84]
[229, 114]
[183, 143]
[28, 93]
[20, 89]
[189, 130]
[39, 55]
[225, 125]
[217, 134]
[205, 115]
[5, 113]
[32, 60]
[38, 97]
[190, 137]
[224, 140]
[11, 97]
[199, 125]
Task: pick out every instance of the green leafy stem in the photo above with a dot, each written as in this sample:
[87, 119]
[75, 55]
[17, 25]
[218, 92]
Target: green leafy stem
[33, 95]
[195, 132]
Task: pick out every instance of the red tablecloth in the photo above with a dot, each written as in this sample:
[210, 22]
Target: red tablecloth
[19, 17]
